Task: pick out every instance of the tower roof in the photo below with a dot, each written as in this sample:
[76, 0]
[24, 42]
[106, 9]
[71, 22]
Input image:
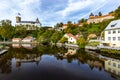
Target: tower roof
[37, 20]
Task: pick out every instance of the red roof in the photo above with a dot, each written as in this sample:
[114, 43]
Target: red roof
[70, 35]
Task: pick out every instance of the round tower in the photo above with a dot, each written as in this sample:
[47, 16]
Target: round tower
[18, 19]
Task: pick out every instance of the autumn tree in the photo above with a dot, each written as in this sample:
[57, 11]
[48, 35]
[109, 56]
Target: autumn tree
[81, 42]
[6, 29]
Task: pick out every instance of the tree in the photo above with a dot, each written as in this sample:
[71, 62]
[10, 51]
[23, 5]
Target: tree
[6, 29]
[117, 13]
[99, 14]
[81, 42]
[82, 20]
[63, 40]
[56, 37]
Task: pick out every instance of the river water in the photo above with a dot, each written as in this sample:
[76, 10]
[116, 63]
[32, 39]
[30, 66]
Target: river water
[27, 62]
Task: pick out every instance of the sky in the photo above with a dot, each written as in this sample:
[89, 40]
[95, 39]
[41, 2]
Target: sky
[51, 12]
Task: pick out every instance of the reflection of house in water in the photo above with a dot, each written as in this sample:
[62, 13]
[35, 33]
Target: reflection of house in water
[96, 64]
[16, 45]
[71, 51]
[113, 66]
[28, 46]
[28, 58]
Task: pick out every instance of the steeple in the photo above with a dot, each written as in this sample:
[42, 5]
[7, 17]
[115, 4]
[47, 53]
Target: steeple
[37, 20]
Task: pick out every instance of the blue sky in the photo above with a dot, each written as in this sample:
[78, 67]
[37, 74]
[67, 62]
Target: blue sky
[51, 12]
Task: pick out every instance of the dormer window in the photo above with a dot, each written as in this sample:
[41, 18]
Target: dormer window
[113, 25]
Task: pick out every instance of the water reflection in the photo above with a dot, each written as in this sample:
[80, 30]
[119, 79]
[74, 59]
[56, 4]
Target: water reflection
[27, 46]
[113, 66]
[51, 62]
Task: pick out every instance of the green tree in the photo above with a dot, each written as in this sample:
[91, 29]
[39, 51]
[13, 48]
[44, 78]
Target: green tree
[6, 29]
[56, 37]
[117, 13]
[99, 14]
[63, 40]
[81, 42]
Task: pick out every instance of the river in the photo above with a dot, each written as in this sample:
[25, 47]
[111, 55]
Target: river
[30, 62]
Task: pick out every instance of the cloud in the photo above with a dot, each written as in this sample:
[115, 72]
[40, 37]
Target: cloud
[51, 12]
[10, 8]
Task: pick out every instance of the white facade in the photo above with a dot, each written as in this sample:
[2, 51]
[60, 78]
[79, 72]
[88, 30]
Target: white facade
[28, 39]
[72, 40]
[113, 66]
[16, 40]
[112, 34]
[28, 25]
[97, 19]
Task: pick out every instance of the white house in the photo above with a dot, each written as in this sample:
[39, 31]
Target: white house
[28, 39]
[71, 38]
[112, 34]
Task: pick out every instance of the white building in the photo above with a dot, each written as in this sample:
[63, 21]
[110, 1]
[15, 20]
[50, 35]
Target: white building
[97, 19]
[16, 40]
[28, 39]
[71, 38]
[28, 25]
[113, 66]
[112, 34]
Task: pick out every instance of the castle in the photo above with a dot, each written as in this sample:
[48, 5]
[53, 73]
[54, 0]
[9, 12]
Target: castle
[28, 25]
[97, 19]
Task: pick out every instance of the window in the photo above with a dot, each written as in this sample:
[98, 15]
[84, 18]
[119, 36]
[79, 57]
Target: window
[118, 31]
[114, 65]
[118, 65]
[109, 69]
[114, 32]
[118, 38]
[114, 38]
[109, 32]
[113, 25]
[109, 63]
[118, 73]
[109, 38]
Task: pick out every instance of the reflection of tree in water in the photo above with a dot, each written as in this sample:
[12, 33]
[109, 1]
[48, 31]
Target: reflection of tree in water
[5, 62]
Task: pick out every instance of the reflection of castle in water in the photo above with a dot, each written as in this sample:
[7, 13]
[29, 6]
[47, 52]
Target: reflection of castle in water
[113, 66]
[28, 58]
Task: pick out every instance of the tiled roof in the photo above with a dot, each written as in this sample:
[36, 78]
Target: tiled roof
[16, 39]
[113, 25]
[70, 35]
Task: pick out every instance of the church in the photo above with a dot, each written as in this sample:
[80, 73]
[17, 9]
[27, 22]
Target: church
[28, 25]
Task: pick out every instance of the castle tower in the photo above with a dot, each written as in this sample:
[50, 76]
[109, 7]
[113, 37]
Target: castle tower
[37, 20]
[18, 19]
[91, 15]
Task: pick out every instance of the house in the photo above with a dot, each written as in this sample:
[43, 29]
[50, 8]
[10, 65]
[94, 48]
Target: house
[112, 34]
[97, 19]
[28, 25]
[91, 36]
[16, 40]
[16, 45]
[28, 39]
[113, 66]
[71, 38]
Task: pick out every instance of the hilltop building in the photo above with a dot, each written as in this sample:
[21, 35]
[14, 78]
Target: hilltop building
[28, 25]
[96, 19]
